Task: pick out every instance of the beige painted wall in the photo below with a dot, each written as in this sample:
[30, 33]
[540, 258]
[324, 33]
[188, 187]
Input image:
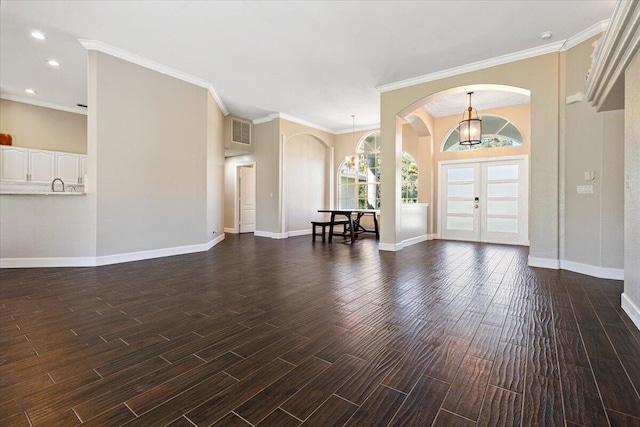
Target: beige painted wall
[215, 169]
[593, 223]
[151, 172]
[307, 175]
[540, 76]
[47, 226]
[632, 174]
[32, 126]
[266, 155]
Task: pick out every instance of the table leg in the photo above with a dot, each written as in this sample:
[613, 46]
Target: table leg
[333, 217]
[352, 226]
[375, 223]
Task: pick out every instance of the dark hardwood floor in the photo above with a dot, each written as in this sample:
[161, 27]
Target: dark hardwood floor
[286, 332]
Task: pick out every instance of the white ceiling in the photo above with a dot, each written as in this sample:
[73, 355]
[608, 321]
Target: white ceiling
[317, 61]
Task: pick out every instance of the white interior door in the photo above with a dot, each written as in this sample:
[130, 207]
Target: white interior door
[247, 195]
[459, 213]
[485, 201]
[504, 207]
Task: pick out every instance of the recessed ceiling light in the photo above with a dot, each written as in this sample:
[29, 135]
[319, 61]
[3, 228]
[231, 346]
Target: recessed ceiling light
[38, 35]
[53, 63]
[30, 91]
[546, 35]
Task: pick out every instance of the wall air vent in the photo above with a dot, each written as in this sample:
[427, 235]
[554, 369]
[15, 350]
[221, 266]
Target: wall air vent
[238, 137]
[241, 131]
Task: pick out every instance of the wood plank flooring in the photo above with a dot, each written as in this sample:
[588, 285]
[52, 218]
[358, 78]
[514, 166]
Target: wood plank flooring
[261, 332]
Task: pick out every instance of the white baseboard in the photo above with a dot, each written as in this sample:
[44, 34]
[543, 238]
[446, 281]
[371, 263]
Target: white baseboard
[578, 267]
[432, 236]
[298, 233]
[230, 230]
[392, 247]
[553, 264]
[414, 240]
[215, 241]
[106, 259]
[269, 234]
[593, 270]
[632, 310]
[47, 262]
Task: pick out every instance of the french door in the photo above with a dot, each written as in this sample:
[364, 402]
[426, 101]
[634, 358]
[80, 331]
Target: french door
[485, 201]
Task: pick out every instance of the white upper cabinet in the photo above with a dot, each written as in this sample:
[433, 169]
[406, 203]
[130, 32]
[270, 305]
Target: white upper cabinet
[82, 173]
[14, 164]
[41, 166]
[67, 167]
[28, 165]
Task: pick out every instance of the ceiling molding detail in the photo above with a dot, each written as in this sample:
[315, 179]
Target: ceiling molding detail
[375, 126]
[284, 116]
[76, 110]
[594, 30]
[152, 65]
[618, 47]
[475, 66]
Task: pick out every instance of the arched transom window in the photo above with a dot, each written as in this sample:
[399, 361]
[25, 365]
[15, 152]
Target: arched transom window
[359, 176]
[496, 132]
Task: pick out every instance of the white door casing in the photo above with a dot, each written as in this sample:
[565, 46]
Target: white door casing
[484, 200]
[247, 199]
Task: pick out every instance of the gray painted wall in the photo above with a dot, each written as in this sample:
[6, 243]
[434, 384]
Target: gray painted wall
[632, 173]
[151, 162]
[593, 142]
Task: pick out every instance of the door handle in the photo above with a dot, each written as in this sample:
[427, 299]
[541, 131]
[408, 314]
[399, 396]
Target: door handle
[476, 202]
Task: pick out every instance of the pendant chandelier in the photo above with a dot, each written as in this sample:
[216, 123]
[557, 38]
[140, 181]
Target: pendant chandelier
[470, 129]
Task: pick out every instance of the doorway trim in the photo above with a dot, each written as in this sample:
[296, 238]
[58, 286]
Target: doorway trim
[236, 197]
[523, 157]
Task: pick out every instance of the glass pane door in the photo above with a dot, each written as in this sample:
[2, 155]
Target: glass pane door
[459, 214]
[485, 201]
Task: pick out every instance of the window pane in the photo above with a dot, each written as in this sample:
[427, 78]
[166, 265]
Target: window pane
[492, 124]
[460, 223]
[460, 174]
[458, 207]
[496, 207]
[509, 189]
[504, 225]
[460, 190]
[502, 172]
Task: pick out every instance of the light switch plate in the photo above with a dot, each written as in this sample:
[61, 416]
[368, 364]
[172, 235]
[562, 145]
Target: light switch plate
[585, 189]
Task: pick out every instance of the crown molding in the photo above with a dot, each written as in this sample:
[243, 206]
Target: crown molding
[616, 50]
[284, 116]
[75, 110]
[585, 35]
[559, 46]
[475, 66]
[152, 65]
[374, 126]
[261, 120]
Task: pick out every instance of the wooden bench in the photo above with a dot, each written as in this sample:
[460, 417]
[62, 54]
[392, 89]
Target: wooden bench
[324, 225]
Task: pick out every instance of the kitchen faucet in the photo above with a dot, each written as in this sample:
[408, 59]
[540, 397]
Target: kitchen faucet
[53, 184]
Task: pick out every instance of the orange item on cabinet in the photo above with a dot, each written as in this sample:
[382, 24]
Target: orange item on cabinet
[5, 139]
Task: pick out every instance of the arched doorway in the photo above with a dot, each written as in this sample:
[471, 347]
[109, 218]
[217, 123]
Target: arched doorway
[442, 110]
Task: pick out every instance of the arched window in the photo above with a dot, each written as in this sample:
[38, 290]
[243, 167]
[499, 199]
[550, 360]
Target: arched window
[359, 176]
[409, 179]
[496, 132]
